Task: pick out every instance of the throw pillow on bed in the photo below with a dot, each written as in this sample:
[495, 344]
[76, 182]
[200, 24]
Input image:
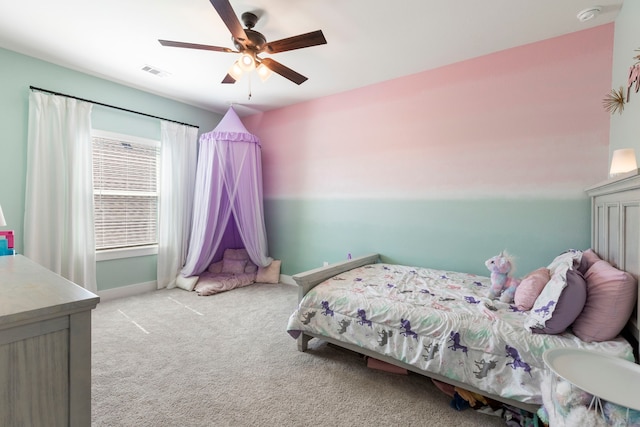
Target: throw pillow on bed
[530, 287]
[589, 257]
[611, 296]
[569, 306]
[547, 302]
[269, 274]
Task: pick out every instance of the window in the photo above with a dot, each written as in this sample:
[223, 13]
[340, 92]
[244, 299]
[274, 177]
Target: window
[125, 177]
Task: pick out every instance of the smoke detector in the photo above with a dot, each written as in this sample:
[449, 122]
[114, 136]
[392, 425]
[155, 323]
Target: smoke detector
[589, 13]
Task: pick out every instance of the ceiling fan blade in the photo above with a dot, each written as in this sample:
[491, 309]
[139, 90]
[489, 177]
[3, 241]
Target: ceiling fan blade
[285, 72]
[228, 16]
[228, 79]
[296, 42]
[195, 46]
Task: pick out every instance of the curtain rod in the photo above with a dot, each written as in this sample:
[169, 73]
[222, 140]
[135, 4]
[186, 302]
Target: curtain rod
[110, 106]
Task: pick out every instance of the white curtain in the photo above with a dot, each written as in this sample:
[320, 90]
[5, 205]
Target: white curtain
[58, 220]
[178, 158]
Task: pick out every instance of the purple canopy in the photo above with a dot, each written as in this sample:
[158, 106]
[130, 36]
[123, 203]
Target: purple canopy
[227, 208]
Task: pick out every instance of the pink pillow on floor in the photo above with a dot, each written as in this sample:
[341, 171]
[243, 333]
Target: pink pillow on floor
[611, 296]
[235, 254]
[215, 268]
[530, 287]
[269, 274]
[233, 266]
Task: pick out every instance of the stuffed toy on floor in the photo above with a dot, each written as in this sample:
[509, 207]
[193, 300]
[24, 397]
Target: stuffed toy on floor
[565, 405]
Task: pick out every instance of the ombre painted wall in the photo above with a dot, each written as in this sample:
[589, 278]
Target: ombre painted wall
[447, 167]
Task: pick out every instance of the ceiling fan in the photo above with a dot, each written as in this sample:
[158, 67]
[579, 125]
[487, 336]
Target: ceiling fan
[249, 43]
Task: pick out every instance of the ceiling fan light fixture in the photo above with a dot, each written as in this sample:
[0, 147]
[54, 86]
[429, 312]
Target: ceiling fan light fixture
[247, 62]
[263, 72]
[250, 43]
[236, 71]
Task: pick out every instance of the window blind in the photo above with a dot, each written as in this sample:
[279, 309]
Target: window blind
[125, 176]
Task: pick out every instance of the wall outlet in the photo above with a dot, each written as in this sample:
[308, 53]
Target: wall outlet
[325, 263]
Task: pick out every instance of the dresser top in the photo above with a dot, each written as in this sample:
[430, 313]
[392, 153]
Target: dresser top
[28, 291]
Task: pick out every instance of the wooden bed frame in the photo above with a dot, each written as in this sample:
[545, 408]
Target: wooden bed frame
[615, 231]
[615, 237]
[309, 279]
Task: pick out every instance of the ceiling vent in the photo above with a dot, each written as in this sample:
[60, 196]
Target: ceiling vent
[155, 71]
[589, 13]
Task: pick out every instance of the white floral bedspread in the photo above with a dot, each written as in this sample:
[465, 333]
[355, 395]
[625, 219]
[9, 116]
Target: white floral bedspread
[438, 321]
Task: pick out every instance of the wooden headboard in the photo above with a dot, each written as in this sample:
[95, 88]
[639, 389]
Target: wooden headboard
[615, 228]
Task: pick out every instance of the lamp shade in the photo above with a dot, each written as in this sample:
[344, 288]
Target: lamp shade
[247, 62]
[2, 221]
[622, 161]
[263, 72]
[235, 71]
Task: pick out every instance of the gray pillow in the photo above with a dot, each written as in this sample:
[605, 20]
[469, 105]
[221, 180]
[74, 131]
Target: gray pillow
[569, 306]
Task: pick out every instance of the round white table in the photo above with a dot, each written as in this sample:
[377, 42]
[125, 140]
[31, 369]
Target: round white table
[607, 377]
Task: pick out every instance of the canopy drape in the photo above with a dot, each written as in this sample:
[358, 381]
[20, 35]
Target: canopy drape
[228, 197]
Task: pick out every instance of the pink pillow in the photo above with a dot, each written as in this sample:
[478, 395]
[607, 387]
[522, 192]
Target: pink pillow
[269, 274]
[530, 287]
[235, 254]
[589, 257]
[611, 296]
[250, 268]
[204, 289]
[233, 266]
[215, 268]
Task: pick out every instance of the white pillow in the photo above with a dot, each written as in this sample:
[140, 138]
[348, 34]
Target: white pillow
[186, 283]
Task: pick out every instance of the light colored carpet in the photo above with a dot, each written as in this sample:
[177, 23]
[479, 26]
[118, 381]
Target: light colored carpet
[172, 358]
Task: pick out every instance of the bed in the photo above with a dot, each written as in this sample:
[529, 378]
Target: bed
[443, 325]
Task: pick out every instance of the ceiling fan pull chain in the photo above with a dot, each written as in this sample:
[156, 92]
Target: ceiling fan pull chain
[249, 82]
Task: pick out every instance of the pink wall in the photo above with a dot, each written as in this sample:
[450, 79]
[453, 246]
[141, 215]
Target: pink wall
[525, 122]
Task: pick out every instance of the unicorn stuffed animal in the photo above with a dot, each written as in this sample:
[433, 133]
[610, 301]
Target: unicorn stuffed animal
[502, 284]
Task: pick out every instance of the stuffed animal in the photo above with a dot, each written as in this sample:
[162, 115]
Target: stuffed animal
[502, 284]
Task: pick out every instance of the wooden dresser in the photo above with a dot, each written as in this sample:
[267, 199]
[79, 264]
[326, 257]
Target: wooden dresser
[45, 347]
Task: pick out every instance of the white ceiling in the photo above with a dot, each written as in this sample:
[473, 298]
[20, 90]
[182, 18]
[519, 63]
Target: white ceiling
[369, 41]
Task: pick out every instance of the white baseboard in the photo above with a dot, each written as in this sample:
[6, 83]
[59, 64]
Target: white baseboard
[127, 291]
[287, 280]
[140, 288]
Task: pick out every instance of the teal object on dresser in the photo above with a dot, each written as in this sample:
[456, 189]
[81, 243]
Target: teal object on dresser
[6, 243]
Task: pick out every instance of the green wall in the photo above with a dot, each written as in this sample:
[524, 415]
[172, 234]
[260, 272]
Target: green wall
[625, 127]
[443, 234]
[17, 73]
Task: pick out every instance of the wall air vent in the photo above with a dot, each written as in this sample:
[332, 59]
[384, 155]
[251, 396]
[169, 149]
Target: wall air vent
[155, 71]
